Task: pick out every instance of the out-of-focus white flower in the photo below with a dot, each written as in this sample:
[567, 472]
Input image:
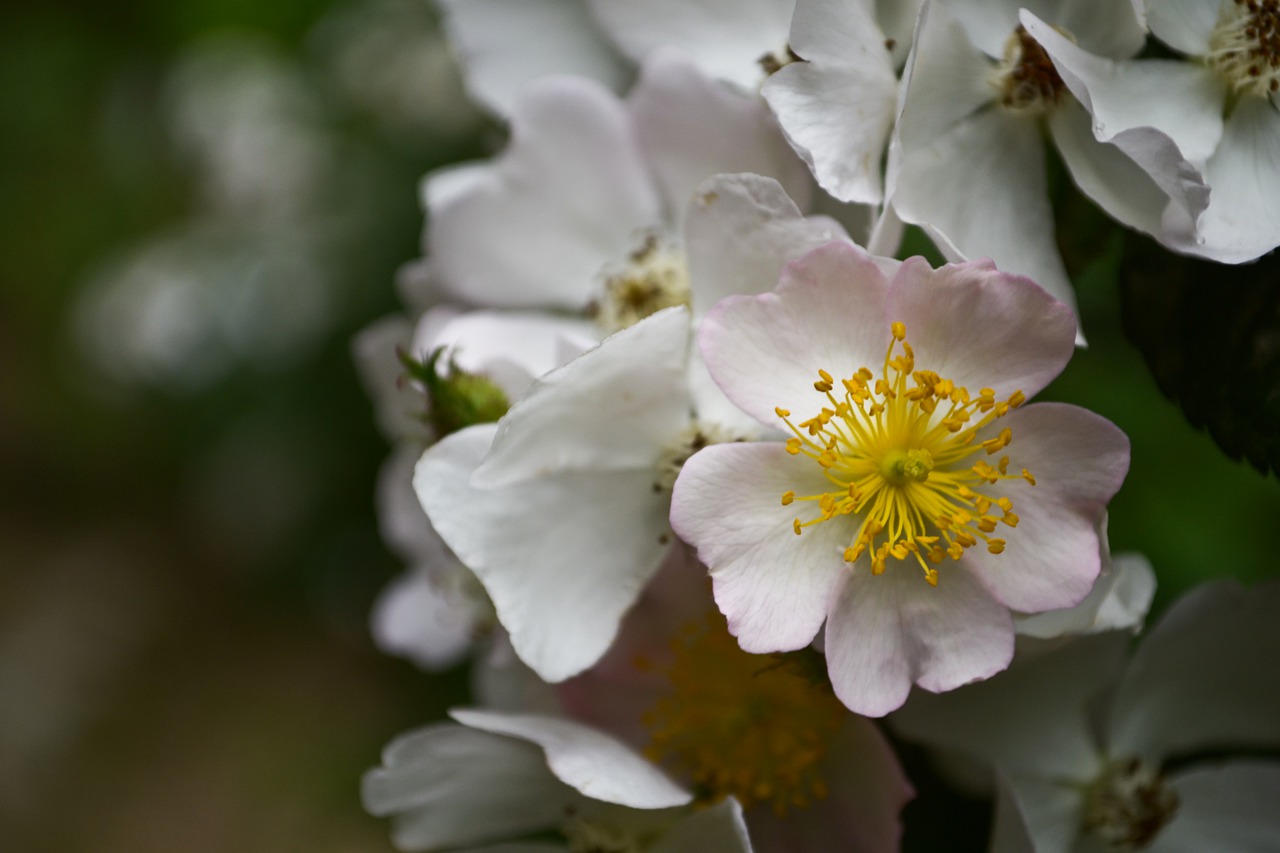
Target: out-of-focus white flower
[890, 466]
[1214, 120]
[586, 205]
[966, 161]
[512, 780]
[765, 730]
[504, 45]
[1157, 752]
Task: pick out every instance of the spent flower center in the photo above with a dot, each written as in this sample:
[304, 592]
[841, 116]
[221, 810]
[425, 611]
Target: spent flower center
[742, 725]
[1026, 78]
[653, 277]
[898, 454]
[1244, 47]
[1128, 804]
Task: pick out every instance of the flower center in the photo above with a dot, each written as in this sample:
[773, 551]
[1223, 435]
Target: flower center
[1128, 805]
[1026, 78]
[898, 455]
[654, 276]
[742, 725]
[1244, 47]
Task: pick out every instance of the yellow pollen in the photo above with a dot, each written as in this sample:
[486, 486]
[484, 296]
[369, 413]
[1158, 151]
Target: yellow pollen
[755, 727]
[907, 462]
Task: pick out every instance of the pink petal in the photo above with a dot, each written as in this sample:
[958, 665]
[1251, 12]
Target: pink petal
[886, 632]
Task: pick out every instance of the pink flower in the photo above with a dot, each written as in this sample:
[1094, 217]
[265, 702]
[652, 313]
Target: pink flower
[918, 501]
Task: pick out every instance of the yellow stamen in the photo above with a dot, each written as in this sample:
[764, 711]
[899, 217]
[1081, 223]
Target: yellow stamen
[901, 458]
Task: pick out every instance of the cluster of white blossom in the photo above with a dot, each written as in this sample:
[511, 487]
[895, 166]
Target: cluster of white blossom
[702, 486]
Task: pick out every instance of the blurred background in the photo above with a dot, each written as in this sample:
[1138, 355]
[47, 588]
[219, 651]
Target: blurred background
[203, 202]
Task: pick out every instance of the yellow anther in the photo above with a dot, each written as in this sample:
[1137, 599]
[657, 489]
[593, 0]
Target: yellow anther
[1005, 504]
[793, 446]
[826, 377]
[795, 525]
[1011, 519]
[788, 497]
[1017, 399]
[931, 575]
[995, 546]
[899, 331]
[987, 524]
[1026, 475]
[781, 412]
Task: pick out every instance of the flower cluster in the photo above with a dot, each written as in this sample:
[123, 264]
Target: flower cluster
[704, 480]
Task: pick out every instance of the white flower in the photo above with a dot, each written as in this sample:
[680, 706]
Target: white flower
[518, 777]
[1214, 120]
[436, 611]
[886, 479]
[560, 510]
[1155, 752]
[966, 161]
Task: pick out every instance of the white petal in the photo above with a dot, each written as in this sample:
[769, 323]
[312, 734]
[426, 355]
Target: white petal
[416, 619]
[1031, 719]
[771, 584]
[884, 633]
[1051, 559]
[374, 349]
[692, 127]
[1229, 806]
[505, 44]
[718, 828]
[511, 347]
[837, 106]
[725, 37]
[1242, 222]
[562, 557]
[590, 761]
[1114, 181]
[502, 682]
[614, 408]
[739, 233]
[1180, 99]
[981, 328]
[449, 786]
[828, 313]
[1200, 680]
[897, 19]
[401, 521]
[1118, 601]
[946, 79]
[566, 197]
[1184, 25]
[1108, 28]
[1050, 811]
[1009, 831]
[994, 159]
